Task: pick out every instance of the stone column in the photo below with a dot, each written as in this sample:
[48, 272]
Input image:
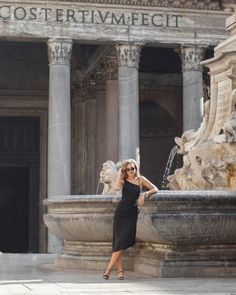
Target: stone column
[59, 126]
[100, 156]
[90, 136]
[128, 91]
[79, 138]
[85, 120]
[192, 86]
[111, 108]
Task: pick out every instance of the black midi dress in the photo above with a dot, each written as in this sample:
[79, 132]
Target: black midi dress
[125, 218]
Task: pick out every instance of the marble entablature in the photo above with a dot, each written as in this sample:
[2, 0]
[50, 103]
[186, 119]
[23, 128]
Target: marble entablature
[114, 21]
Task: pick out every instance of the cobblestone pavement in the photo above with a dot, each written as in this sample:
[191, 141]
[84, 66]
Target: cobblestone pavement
[34, 274]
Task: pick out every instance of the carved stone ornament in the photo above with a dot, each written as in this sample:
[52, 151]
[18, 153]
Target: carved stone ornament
[111, 67]
[59, 51]
[188, 4]
[86, 89]
[191, 58]
[99, 74]
[108, 177]
[129, 54]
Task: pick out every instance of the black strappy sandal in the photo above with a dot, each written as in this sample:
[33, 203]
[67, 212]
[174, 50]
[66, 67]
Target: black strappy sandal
[120, 277]
[106, 274]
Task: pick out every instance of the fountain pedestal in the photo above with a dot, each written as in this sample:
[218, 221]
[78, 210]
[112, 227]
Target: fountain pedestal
[186, 261]
[90, 255]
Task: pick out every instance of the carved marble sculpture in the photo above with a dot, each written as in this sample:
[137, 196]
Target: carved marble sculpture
[211, 150]
[230, 128]
[190, 137]
[108, 177]
[182, 141]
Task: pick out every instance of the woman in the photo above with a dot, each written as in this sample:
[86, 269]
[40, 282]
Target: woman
[125, 218]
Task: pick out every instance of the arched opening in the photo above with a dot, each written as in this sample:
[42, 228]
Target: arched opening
[160, 95]
[157, 132]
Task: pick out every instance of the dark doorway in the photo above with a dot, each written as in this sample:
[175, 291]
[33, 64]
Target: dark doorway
[19, 185]
[14, 200]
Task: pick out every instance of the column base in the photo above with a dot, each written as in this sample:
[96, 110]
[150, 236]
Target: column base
[186, 261]
[90, 255]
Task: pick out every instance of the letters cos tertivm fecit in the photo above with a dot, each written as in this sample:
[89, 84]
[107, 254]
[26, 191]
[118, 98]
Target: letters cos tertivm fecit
[46, 14]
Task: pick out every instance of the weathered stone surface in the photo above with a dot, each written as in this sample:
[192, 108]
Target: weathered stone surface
[90, 255]
[187, 261]
[188, 218]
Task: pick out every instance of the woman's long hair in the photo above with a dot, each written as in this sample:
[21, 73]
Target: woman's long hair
[124, 164]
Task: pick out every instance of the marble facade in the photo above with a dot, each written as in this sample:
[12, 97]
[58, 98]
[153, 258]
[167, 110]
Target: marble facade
[77, 101]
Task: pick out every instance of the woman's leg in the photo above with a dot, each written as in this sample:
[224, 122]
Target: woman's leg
[114, 258]
[119, 263]
[120, 272]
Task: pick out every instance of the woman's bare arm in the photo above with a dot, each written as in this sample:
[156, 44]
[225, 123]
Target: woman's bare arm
[152, 189]
[119, 181]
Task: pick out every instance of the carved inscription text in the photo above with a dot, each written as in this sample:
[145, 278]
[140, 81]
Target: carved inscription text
[21, 13]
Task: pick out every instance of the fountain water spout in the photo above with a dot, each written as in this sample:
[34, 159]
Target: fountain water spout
[172, 154]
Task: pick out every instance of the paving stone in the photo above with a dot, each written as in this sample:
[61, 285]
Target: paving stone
[35, 274]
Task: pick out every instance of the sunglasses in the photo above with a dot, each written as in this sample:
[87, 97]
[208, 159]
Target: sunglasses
[129, 169]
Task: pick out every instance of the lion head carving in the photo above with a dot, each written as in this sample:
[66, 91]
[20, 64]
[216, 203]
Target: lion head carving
[108, 176]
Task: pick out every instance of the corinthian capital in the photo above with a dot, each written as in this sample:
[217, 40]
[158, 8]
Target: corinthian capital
[129, 54]
[111, 67]
[59, 51]
[85, 90]
[191, 58]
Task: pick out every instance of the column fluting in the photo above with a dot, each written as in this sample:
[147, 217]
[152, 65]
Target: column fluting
[128, 91]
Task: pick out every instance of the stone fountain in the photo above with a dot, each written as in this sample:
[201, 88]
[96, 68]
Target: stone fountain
[189, 231]
[209, 153]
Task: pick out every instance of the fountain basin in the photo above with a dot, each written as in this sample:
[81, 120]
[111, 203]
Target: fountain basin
[179, 233]
[189, 218]
[81, 218]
